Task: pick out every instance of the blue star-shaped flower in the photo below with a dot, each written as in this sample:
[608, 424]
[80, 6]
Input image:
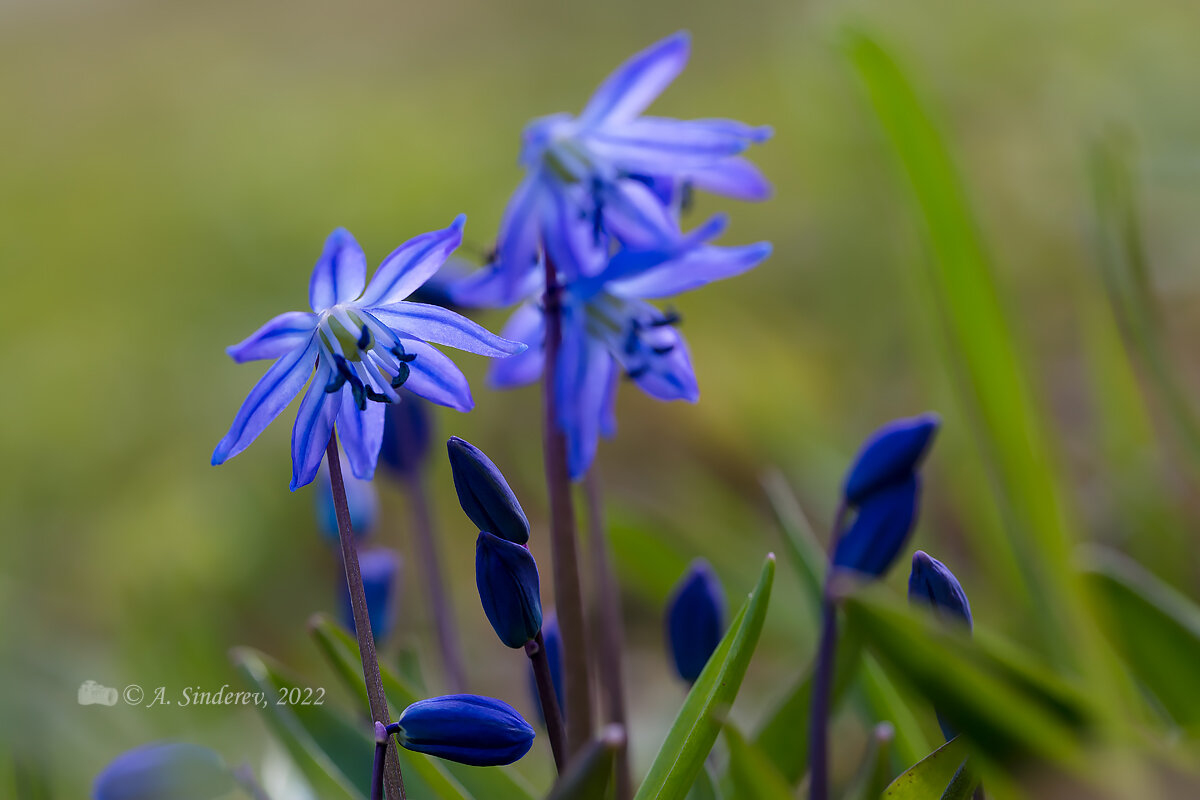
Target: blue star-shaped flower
[358, 345]
[597, 171]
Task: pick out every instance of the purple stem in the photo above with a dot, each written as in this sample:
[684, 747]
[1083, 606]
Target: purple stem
[245, 778]
[563, 537]
[362, 621]
[381, 748]
[818, 731]
[608, 618]
[443, 612]
[536, 650]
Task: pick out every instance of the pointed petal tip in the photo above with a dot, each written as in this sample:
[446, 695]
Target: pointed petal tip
[459, 222]
[761, 134]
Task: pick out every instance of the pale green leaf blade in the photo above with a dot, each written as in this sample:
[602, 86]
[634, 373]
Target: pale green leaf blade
[931, 776]
[752, 776]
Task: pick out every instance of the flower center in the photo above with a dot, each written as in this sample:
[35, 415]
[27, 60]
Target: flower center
[364, 354]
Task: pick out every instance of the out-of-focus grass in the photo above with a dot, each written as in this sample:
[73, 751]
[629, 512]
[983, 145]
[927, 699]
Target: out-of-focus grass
[170, 170]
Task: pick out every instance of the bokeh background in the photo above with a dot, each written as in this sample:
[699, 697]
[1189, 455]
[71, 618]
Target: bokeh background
[170, 170]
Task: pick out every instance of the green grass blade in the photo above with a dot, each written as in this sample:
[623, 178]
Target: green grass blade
[751, 774]
[931, 776]
[1156, 630]
[341, 650]
[695, 730]
[990, 377]
[876, 771]
[590, 773]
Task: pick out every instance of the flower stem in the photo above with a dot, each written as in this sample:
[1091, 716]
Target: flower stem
[536, 650]
[431, 567]
[818, 730]
[362, 621]
[563, 537]
[245, 778]
[608, 618]
[381, 748]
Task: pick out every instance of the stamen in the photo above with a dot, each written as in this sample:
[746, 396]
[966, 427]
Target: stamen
[335, 385]
[402, 374]
[364, 338]
[662, 350]
[637, 372]
[378, 397]
[401, 356]
[669, 317]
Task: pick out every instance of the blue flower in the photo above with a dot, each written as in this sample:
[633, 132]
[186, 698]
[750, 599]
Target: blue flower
[361, 498]
[609, 329]
[484, 494]
[552, 638]
[932, 584]
[695, 620]
[363, 342]
[884, 520]
[591, 175]
[407, 433]
[379, 568]
[509, 588]
[889, 456]
[173, 770]
[467, 728]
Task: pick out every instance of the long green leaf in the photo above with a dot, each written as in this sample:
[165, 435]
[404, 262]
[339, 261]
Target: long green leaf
[931, 776]
[995, 697]
[341, 650]
[876, 771]
[990, 377]
[695, 730]
[1156, 630]
[335, 755]
[590, 773]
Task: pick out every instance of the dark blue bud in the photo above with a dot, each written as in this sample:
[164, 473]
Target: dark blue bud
[178, 771]
[407, 431]
[554, 654]
[889, 456]
[880, 529]
[931, 583]
[507, 577]
[379, 568]
[695, 619]
[484, 494]
[467, 728]
[361, 498]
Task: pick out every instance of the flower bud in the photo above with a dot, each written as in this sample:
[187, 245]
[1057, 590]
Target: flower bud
[379, 568]
[175, 770]
[484, 494]
[552, 638]
[467, 728]
[362, 500]
[889, 456]
[879, 530]
[407, 429]
[931, 583]
[507, 577]
[695, 619]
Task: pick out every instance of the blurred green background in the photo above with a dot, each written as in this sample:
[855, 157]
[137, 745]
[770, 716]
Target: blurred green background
[169, 174]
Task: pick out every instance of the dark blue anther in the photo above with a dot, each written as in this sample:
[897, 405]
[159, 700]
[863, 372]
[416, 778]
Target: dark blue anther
[402, 373]
[364, 338]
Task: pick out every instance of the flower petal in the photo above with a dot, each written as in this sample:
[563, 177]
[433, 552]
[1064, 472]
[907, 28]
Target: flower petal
[279, 336]
[443, 326]
[528, 325]
[314, 424]
[732, 177]
[694, 269]
[672, 376]
[411, 264]
[518, 242]
[361, 434]
[281, 383]
[491, 287]
[659, 145]
[584, 374]
[435, 377]
[634, 85]
[574, 240]
[340, 272]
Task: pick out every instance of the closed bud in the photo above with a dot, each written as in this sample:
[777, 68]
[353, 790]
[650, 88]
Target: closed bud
[467, 728]
[484, 494]
[379, 568]
[695, 619]
[362, 500]
[932, 584]
[507, 577]
[879, 530]
[407, 431]
[891, 455]
[176, 770]
[552, 638]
